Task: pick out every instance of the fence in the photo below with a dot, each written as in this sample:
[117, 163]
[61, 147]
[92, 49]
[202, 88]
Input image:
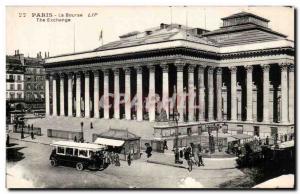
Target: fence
[64, 134]
[26, 130]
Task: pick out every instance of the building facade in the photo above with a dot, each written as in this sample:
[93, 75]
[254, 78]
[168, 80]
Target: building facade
[24, 84]
[240, 76]
[15, 80]
[35, 83]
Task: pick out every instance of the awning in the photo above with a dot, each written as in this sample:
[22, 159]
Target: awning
[109, 142]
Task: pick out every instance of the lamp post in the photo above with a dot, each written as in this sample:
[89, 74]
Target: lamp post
[176, 117]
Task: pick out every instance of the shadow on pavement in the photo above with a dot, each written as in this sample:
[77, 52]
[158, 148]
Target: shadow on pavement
[13, 154]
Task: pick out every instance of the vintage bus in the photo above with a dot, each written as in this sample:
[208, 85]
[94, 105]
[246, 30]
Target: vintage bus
[81, 155]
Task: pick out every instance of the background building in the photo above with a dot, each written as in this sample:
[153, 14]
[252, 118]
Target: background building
[24, 85]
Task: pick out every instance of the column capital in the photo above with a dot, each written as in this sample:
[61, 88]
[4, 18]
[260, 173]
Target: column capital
[291, 67]
[116, 71]
[201, 67]
[249, 68]
[210, 70]
[233, 69]
[96, 72]
[77, 73]
[70, 74]
[165, 67]
[139, 69]
[191, 68]
[219, 70]
[106, 72]
[265, 67]
[151, 68]
[179, 65]
[86, 73]
[47, 75]
[127, 70]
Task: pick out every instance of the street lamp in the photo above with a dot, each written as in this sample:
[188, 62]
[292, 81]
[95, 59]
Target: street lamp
[176, 117]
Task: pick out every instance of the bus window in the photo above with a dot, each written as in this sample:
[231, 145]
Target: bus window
[60, 150]
[75, 152]
[69, 151]
[83, 153]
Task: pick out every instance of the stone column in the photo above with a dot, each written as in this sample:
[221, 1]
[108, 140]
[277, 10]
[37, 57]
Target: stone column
[180, 94]
[54, 95]
[78, 94]
[210, 84]
[127, 94]
[165, 87]
[47, 95]
[70, 95]
[116, 94]
[151, 95]
[219, 93]
[249, 70]
[139, 93]
[284, 93]
[106, 94]
[62, 94]
[233, 94]
[291, 93]
[201, 93]
[87, 94]
[191, 105]
[266, 90]
[96, 94]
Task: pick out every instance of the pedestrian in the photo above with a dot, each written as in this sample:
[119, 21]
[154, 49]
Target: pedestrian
[148, 151]
[200, 156]
[7, 140]
[81, 124]
[165, 147]
[267, 140]
[129, 159]
[117, 160]
[75, 139]
[32, 134]
[92, 125]
[285, 137]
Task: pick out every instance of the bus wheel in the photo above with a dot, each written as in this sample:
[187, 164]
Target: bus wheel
[79, 166]
[53, 162]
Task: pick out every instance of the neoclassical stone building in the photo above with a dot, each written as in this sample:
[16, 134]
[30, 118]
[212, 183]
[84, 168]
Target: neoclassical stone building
[241, 75]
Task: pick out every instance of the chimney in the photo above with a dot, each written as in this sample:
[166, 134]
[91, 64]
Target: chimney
[162, 26]
[15, 52]
[45, 55]
[48, 54]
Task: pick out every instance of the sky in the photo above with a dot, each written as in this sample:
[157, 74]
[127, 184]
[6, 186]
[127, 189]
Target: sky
[82, 33]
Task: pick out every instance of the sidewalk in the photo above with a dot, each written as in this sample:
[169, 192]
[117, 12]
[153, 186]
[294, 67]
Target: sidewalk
[210, 163]
[37, 139]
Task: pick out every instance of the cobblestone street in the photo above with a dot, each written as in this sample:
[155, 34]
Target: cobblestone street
[32, 169]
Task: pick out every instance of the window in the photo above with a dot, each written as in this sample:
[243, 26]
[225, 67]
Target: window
[19, 78]
[19, 87]
[11, 87]
[19, 95]
[83, 153]
[75, 152]
[69, 151]
[60, 150]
